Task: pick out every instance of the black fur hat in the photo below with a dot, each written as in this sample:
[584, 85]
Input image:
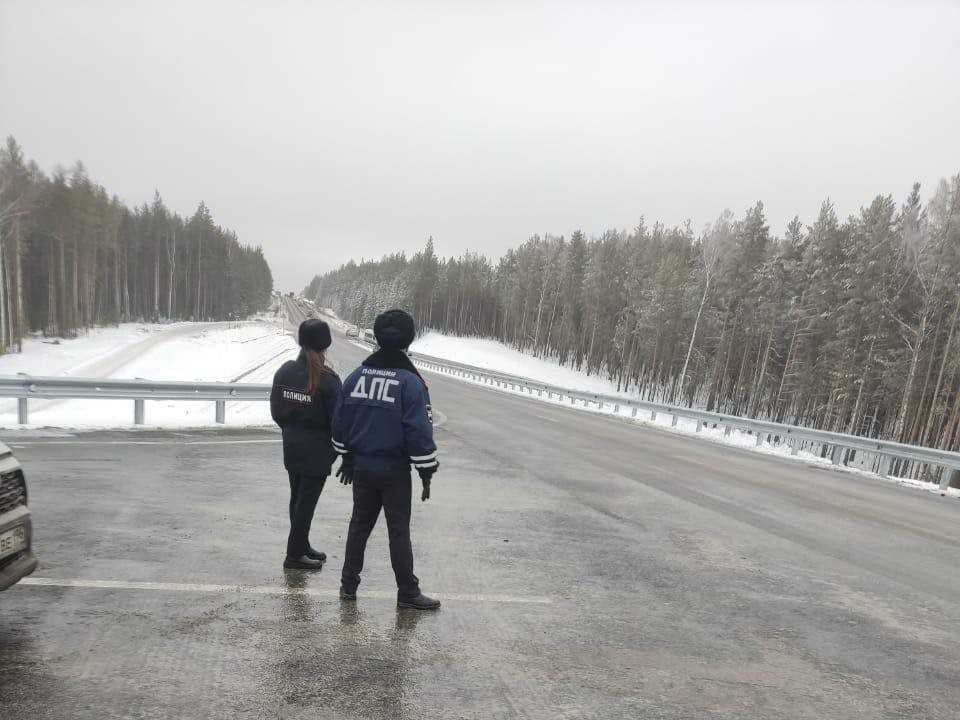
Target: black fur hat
[394, 330]
[314, 335]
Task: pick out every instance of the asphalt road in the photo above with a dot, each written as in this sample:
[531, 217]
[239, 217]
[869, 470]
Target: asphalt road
[589, 568]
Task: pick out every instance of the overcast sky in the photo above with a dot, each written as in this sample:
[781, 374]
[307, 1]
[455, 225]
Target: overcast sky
[326, 131]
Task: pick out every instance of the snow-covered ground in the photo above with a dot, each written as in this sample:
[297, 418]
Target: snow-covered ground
[496, 356]
[247, 351]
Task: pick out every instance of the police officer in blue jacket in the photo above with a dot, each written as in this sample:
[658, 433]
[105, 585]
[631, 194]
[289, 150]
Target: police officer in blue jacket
[382, 426]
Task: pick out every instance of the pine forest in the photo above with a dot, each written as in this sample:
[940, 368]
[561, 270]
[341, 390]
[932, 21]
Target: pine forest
[848, 325]
[73, 256]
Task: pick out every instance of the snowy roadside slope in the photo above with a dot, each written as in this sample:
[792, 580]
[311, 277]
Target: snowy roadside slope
[219, 352]
[94, 354]
[496, 356]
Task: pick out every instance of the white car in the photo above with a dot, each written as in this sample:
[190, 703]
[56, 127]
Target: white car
[16, 531]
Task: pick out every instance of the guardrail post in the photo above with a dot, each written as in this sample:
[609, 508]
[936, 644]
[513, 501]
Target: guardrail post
[22, 414]
[616, 407]
[138, 411]
[673, 423]
[653, 416]
[944, 480]
[221, 411]
[794, 446]
[633, 411]
[835, 454]
[759, 439]
[726, 431]
[952, 476]
[700, 425]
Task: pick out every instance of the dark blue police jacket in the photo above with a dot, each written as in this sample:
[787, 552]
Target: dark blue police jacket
[384, 420]
[306, 420]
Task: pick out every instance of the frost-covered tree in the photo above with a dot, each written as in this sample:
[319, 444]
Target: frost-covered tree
[73, 256]
[846, 325]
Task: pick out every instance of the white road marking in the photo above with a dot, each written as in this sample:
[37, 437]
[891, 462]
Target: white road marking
[171, 441]
[38, 433]
[267, 590]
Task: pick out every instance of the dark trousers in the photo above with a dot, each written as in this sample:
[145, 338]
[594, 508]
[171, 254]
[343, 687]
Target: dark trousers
[304, 492]
[390, 491]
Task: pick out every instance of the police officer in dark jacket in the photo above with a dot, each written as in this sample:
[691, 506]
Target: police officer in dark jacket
[302, 402]
[383, 426]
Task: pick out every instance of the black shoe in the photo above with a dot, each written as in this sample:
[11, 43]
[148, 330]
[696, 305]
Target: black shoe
[347, 595]
[317, 555]
[304, 562]
[420, 602]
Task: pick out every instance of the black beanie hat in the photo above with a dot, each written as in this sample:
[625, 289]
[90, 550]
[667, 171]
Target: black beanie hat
[314, 335]
[394, 330]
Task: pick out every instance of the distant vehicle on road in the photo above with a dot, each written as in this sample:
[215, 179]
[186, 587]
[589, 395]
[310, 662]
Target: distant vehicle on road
[16, 558]
[367, 336]
[353, 332]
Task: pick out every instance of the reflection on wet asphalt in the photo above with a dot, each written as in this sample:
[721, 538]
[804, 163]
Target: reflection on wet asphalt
[594, 569]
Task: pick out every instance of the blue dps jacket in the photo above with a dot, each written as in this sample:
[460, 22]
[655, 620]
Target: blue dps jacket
[384, 420]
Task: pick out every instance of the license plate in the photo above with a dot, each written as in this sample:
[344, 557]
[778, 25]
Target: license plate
[13, 540]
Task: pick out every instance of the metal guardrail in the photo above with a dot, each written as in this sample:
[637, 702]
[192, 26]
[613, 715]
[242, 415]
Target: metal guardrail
[835, 446]
[27, 387]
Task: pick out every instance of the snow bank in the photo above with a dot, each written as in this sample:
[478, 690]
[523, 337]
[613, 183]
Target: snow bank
[494, 355]
[58, 356]
[248, 351]
[498, 357]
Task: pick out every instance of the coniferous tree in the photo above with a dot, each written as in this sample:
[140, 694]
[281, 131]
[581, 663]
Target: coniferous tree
[849, 325]
[72, 256]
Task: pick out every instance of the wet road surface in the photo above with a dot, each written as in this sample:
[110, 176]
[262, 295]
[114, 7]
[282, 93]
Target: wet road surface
[589, 568]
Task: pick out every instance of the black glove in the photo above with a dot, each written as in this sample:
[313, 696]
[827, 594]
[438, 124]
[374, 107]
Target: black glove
[426, 474]
[345, 471]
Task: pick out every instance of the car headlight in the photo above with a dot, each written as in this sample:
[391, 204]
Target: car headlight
[13, 490]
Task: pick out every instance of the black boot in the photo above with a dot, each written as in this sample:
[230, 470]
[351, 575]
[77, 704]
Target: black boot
[304, 562]
[420, 602]
[347, 594]
[316, 554]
